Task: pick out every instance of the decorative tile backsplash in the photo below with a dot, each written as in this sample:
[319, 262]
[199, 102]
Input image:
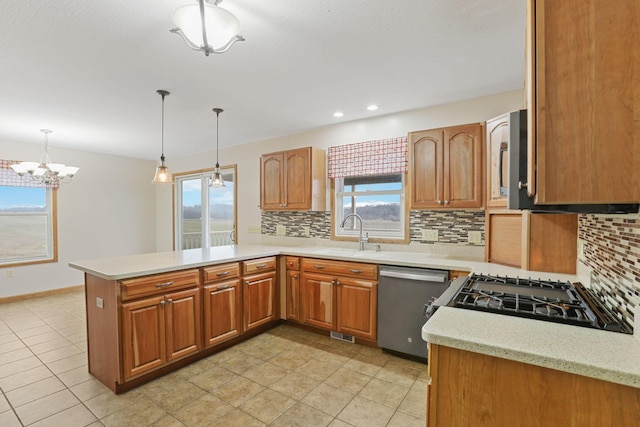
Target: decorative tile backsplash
[612, 252]
[452, 226]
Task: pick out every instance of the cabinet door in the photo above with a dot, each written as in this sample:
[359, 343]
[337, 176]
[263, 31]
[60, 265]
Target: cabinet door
[427, 176]
[293, 295]
[463, 166]
[297, 182]
[317, 300]
[143, 335]
[585, 101]
[259, 299]
[183, 322]
[356, 304]
[497, 161]
[272, 170]
[222, 312]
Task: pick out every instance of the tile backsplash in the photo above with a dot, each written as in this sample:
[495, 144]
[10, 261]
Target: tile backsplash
[452, 226]
[612, 252]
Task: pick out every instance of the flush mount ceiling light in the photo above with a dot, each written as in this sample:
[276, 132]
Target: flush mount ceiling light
[162, 172]
[372, 107]
[216, 180]
[205, 26]
[338, 114]
[45, 172]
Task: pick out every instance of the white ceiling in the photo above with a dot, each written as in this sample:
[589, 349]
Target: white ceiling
[89, 69]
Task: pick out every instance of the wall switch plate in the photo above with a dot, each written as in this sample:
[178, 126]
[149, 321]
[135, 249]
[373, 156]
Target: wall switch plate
[281, 230]
[9, 274]
[99, 302]
[430, 235]
[475, 237]
[306, 230]
[254, 229]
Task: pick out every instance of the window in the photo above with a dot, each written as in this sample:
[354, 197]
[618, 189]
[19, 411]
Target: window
[195, 200]
[378, 199]
[27, 225]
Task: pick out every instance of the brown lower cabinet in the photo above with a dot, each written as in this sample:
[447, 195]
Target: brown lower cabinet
[260, 292]
[472, 389]
[340, 296]
[222, 303]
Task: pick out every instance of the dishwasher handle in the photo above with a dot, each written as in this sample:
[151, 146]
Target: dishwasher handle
[425, 277]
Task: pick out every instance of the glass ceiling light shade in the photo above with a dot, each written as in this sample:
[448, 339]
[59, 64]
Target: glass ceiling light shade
[45, 172]
[205, 26]
[162, 172]
[216, 179]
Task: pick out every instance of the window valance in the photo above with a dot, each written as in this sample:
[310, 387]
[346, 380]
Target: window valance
[378, 157]
[9, 178]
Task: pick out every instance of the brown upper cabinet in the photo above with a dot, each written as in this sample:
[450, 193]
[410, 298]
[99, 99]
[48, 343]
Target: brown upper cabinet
[583, 93]
[497, 137]
[293, 180]
[446, 167]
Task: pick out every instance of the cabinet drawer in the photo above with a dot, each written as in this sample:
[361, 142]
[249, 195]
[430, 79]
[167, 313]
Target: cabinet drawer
[158, 283]
[292, 262]
[258, 265]
[353, 269]
[221, 272]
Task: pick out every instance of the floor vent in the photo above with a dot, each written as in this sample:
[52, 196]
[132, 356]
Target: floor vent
[343, 337]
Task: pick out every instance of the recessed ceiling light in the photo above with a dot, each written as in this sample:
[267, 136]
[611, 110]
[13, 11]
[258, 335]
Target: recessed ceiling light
[338, 114]
[372, 107]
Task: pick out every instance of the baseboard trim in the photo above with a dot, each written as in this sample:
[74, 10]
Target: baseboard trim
[46, 293]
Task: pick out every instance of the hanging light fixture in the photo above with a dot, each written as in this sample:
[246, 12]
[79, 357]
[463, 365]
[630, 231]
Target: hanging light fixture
[205, 26]
[162, 172]
[45, 172]
[216, 180]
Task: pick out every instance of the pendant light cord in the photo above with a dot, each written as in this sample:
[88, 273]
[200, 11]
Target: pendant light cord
[162, 93]
[217, 111]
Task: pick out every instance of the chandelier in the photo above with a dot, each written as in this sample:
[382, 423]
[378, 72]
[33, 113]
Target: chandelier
[205, 26]
[46, 172]
[216, 180]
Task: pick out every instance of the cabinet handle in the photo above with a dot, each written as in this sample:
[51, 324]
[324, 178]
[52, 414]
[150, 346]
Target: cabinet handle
[162, 302]
[164, 285]
[446, 202]
[222, 288]
[253, 282]
[319, 267]
[439, 202]
[169, 300]
[295, 277]
[261, 265]
[337, 282]
[356, 271]
[223, 273]
[522, 185]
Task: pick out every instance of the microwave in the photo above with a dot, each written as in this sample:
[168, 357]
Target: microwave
[517, 197]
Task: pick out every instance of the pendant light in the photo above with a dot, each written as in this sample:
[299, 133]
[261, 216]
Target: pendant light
[216, 180]
[162, 172]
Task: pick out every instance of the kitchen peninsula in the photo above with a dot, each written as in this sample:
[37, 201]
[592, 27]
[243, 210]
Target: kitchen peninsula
[607, 357]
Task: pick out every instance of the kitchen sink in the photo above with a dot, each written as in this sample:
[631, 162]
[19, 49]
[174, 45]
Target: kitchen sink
[352, 253]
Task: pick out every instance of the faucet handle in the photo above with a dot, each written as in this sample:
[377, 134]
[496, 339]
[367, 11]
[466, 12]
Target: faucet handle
[365, 239]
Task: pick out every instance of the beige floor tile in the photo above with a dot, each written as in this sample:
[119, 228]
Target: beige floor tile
[265, 374]
[8, 337]
[23, 378]
[267, 405]
[195, 368]
[237, 391]
[176, 394]
[76, 416]
[400, 419]
[4, 405]
[339, 423]
[318, 369]
[335, 355]
[237, 418]
[294, 385]
[211, 378]
[240, 362]
[41, 338]
[89, 389]
[46, 406]
[203, 411]
[34, 391]
[398, 374]
[385, 393]
[168, 421]
[328, 399]
[290, 359]
[12, 356]
[223, 356]
[365, 364]
[9, 419]
[348, 380]
[11, 346]
[47, 346]
[415, 403]
[142, 412]
[60, 353]
[19, 366]
[76, 376]
[24, 327]
[108, 403]
[361, 412]
[301, 415]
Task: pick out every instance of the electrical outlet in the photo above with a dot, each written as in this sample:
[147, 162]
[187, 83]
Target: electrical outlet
[306, 230]
[254, 229]
[9, 274]
[475, 237]
[281, 230]
[430, 235]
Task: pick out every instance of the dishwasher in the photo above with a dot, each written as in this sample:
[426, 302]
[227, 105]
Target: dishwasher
[402, 295]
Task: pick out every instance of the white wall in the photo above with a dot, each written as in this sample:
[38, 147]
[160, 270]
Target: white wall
[247, 156]
[108, 210]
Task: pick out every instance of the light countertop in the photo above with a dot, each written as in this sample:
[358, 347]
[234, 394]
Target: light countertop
[593, 353]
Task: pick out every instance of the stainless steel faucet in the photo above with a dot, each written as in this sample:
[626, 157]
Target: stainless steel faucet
[361, 240]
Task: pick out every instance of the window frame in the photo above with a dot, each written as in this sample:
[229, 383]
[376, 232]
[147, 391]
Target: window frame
[52, 232]
[402, 237]
[203, 174]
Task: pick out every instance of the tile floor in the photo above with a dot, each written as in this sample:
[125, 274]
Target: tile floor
[285, 377]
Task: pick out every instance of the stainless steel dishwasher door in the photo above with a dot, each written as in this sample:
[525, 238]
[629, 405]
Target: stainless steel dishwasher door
[402, 294]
